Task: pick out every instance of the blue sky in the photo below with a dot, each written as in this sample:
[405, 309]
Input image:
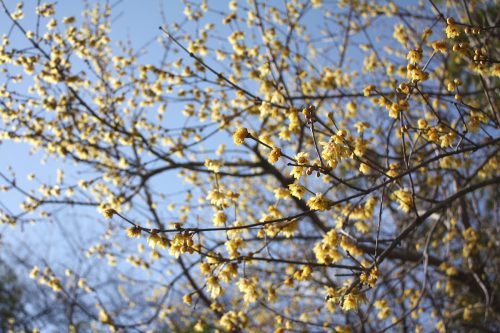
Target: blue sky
[136, 21]
[68, 236]
[133, 20]
[62, 241]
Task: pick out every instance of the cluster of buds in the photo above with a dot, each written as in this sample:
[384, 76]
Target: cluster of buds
[404, 88]
[318, 169]
[309, 113]
[156, 239]
[47, 277]
[415, 55]
[182, 243]
[479, 56]
[472, 30]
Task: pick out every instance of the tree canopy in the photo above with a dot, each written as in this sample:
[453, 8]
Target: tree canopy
[302, 165]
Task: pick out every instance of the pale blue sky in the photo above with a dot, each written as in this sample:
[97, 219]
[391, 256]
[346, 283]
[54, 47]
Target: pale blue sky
[132, 20]
[64, 241]
[136, 21]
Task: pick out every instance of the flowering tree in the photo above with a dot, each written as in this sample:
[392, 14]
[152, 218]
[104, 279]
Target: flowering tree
[358, 192]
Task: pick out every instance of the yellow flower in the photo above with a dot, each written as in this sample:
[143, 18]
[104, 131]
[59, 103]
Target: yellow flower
[229, 272]
[350, 246]
[163, 243]
[213, 165]
[274, 155]
[422, 123]
[350, 303]
[440, 326]
[368, 90]
[69, 19]
[334, 150]
[432, 134]
[205, 268]
[451, 271]
[361, 126]
[326, 250]
[240, 135]
[404, 198]
[199, 327]
[134, 232]
[467, 315]
[393, 170]
[471, 235]
[362, 227]
[154, 239]
[289, 228]
[416, 73]
[214, 288]
[188, 299]
[364, 168]
[383, 306]
[104, 317]
[219, 218]
[342, 329]
[51, 24]
[370, 278]
[108, 213]
[233, 321]
[34, 272]
[55, 284]
[303, 274]
[452, 30]
[302, 158]
[316, 3]
[217, 197]
[319, 202]
[249, 289]
[447, 140]
[414, 55]
[298, 170]
[297, 190]
[352, 300]
[400, 34]
[233, 245]
[271, 294]
[439, 46]
[281, 193]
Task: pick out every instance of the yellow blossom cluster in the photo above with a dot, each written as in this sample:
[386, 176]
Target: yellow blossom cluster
[219, 218]
[155, 239]
[213, 287]
[326, 251]
[328, 144]
[335, 149]
[274, 155]
[319, 202]
[248, 286]
[404, 198]
[370, 278]
[452, 30]
[298, 170]
[232, 321]
[240, 135]
[182, 243]
[349, 301]
[46, 277]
